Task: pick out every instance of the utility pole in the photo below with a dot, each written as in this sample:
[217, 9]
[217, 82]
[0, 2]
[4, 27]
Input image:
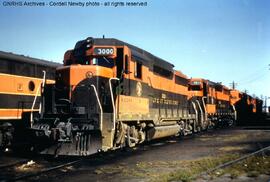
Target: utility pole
[265, 103]
[233, 85]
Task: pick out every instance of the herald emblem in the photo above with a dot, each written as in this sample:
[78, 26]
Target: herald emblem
[139, 89]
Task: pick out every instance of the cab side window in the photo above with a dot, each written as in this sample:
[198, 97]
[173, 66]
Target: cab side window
[138, 70]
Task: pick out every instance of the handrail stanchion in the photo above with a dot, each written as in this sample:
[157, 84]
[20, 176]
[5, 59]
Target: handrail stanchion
[100, 107]
[35, 99]
[202, 118]
[196, 115]
[113, 104]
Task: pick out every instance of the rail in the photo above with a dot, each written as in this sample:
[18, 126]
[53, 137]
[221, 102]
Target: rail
[113, 104]
[100, 107]
[42, 171]
[12, 164]
[229, 163]
[35, 99]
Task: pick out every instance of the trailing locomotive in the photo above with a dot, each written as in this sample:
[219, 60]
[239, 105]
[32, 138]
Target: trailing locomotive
[21, 78]
[249, 109]
[213, 102]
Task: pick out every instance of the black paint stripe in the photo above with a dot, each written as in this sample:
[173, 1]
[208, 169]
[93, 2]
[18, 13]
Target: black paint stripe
[128, 88]
[15, 67]
[9, 101]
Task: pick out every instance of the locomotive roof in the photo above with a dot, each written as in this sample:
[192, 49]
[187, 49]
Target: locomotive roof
[138, 53]
[211, 83]
[180, 73]
[26, 59]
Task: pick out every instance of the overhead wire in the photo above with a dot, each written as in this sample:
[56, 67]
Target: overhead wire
[253, 79]
[254, 76]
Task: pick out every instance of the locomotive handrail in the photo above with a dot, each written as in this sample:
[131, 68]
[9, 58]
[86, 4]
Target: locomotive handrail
[204, 106]
[235, 112]
[113, 104]
[34, 102]
[44, 77]
[196, 112]
[202, 122]
[100, 107]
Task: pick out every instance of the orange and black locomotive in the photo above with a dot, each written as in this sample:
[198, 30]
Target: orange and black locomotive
[213, 102]
[21, 78]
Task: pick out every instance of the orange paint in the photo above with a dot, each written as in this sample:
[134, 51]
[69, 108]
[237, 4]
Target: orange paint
[211, 108]
[13, 113]
[19, 85]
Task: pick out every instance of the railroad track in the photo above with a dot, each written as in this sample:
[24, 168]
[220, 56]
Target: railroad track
[232, 162]
[10, 172]
[257, 128]
[3, 166]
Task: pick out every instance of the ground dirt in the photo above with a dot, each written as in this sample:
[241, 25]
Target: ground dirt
[171, 159]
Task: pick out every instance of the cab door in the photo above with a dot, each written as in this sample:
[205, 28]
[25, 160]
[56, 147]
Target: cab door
[119, 63]
[122, 71]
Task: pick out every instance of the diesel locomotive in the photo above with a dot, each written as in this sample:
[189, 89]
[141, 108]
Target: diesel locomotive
[110, 94]
[248, 108]
[213, 102]
[21, 78]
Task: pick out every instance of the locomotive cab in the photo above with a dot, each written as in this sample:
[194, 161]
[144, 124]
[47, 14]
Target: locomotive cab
[201, 95]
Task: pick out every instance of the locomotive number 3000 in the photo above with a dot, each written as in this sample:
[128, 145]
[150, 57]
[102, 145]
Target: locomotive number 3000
[103, 51]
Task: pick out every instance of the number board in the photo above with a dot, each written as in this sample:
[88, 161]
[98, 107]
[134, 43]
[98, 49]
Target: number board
[103, 51]
[196, 82]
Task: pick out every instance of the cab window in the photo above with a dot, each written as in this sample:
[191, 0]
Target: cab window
[195, 87]
[138, 70]
[105, 62]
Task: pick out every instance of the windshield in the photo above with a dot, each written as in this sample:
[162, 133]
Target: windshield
[102, 61]
[195, 87]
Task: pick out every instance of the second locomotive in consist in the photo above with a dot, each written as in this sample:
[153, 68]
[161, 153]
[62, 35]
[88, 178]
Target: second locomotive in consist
[110, 94]
[21, 78]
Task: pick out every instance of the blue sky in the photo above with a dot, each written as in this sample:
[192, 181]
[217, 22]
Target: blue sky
[220, 40]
